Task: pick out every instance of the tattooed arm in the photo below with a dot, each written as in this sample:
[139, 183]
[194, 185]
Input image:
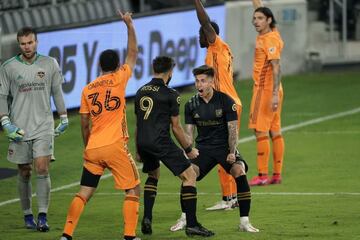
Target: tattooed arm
[233, 133]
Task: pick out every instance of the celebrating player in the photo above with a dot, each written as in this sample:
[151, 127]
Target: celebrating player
[103, 105]
[267, 96]
[157, 108]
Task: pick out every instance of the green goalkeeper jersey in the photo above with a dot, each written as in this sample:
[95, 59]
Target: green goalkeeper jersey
[30, 87]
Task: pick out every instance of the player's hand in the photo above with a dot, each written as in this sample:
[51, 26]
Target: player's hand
[126, 17]
[12, 132]
[231, 158]
[193, 154]
[63, 125]
[275, 102]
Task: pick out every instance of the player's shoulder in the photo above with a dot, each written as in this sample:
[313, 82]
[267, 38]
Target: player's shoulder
[173, 91]
[223, 96]
[47, 59]
[8, 62]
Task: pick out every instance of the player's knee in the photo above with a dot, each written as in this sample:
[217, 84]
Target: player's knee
[154, 174]
[188, 176]
[25, 171]
[238, 169]
[134, 191]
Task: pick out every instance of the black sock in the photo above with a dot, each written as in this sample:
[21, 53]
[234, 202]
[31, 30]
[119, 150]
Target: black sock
[244, 195]
[129, 237]
[150, 190]
[189, 199]
[68, 237]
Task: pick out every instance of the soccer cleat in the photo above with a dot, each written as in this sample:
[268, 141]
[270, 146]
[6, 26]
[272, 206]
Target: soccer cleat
[29, 221]
[259, 181]
[198, 230]
[276, 179]
[222, 205]
[180, 224]
[42, 224]
[245, 225]
[146, 226]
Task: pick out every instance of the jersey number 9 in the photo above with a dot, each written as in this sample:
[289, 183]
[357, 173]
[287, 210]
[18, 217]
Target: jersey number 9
[146, 105]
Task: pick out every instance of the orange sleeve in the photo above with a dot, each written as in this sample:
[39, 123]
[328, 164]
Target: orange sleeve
[272, 48]
[84, 108]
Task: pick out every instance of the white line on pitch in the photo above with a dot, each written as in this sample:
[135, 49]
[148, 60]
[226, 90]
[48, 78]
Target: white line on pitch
[243, 140]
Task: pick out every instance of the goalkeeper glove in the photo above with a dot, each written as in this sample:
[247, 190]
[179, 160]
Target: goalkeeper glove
[12, 132]
[64, 123]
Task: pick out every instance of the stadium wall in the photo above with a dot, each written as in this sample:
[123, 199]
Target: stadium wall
[291, 16]
[175, 34]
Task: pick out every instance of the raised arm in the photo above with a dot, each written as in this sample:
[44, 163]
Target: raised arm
[257, 3]
[204, 21]
[132, 48]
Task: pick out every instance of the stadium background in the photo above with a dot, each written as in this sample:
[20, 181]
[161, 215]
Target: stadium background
[320, 195]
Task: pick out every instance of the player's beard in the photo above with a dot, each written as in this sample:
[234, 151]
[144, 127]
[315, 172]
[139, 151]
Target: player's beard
[28, 57]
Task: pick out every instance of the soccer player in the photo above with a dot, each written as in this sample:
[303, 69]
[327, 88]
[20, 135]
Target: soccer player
[30, 79]
[214, 114]
[103, 105]
[157, 109]
[219, 56]
[267, 96]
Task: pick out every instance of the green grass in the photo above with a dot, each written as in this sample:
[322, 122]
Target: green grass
[319, 158]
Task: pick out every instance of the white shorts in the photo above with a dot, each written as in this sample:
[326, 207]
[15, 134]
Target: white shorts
[25, 152]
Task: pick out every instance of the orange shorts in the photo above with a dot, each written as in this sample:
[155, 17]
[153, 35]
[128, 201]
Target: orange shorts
[117, 158]
[262, 118]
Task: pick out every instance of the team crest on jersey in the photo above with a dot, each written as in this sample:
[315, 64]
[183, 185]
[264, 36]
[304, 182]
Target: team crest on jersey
[272, 50]
[218, 112]
[11, 152]
[41, 74]
[196, 115]
[234, 108]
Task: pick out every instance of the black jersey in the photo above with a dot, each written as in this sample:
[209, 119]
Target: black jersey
[155, 104]
[211, 119]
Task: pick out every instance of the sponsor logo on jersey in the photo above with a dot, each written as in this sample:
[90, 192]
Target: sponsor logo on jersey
[218, 112]
[196, 115]
[234, 108]
[41, 74]
[272, 50]
[178, 100]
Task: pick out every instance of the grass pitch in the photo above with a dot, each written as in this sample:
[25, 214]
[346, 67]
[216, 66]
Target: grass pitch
[318, 199]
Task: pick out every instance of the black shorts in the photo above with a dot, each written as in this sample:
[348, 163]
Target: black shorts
[171, 156]
[209, 157]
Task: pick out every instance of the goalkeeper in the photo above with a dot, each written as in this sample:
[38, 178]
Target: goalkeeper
[29, 79]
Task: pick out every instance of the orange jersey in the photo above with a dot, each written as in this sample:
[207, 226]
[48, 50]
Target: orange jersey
[104, 100]
[268, 47]
[219, 57]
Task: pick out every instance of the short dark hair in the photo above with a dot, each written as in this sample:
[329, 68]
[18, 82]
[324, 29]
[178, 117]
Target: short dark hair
[163, 64]
[204, 69]
[268, 13]
[109, 60]
[25, 31]
[215, 27]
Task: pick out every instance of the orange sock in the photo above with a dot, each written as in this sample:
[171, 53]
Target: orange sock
[227, 183]
[131, 214]
[278, 153]
[74, 213]
[263, 153]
